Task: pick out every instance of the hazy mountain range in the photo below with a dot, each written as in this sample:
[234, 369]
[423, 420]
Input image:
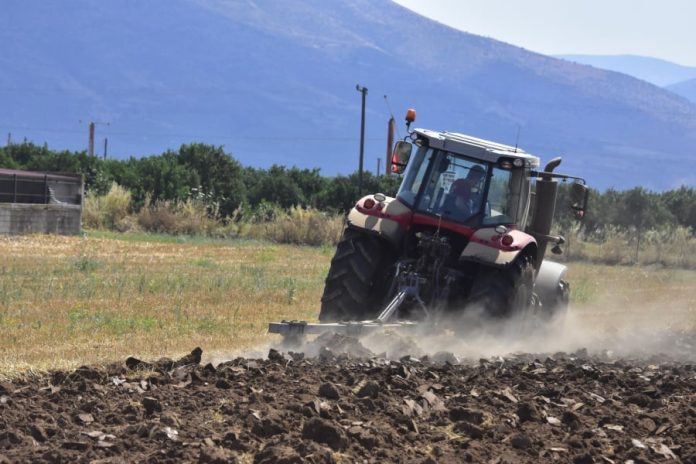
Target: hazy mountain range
[674, 77]
[274, 82]
[654, 70]
[686, 89]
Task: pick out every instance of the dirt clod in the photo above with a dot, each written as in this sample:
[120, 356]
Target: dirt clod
[151, 405]
[211, 455]
[528, 412]
[472, 416]
[368, 389]
[329, 391]
[323, 431]
[278, 455]
[521, 441]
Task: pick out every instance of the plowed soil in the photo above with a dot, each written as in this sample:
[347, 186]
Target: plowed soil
[338, 407]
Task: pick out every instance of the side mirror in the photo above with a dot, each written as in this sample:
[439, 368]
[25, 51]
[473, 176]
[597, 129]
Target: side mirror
[578, 199]
[400, 156]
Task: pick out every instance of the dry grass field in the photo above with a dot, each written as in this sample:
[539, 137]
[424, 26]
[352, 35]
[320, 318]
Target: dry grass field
[69, 301]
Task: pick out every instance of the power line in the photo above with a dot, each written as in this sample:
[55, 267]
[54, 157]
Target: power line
[194, 136]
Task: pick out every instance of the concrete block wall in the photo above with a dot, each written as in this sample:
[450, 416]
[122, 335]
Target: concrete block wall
[17, 219]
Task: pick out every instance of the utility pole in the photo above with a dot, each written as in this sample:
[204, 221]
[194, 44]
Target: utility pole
[90, 145]
[106, 142]
[9, 139]
[379, 166]
[363, 91]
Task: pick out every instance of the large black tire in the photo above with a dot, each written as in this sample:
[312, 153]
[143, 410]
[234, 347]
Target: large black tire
[357, 279]
[505, 292]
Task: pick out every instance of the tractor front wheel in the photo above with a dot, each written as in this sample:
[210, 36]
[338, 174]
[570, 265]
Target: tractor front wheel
[555, 306]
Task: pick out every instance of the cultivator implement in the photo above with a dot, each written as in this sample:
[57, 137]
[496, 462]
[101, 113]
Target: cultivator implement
[298, 329]
[293, 331]
[411, 283]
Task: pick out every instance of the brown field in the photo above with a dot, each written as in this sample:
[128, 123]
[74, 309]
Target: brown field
[70, 301]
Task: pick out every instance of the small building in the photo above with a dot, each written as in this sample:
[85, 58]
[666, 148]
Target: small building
[40, 202]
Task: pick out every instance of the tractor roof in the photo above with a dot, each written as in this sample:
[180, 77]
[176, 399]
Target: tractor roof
[475, 147]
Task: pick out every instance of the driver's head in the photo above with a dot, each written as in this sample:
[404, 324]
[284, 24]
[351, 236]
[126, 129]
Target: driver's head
[464, 186]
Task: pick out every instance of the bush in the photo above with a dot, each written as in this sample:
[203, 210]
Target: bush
[300, 226]
[107, 211]
[188, 218]
[667, 246]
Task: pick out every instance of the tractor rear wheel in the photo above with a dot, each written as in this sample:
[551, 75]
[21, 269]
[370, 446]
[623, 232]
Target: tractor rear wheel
[555, 306]
[357, 279]
[504, 292]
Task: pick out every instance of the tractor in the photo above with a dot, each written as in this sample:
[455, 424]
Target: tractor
[469, 227]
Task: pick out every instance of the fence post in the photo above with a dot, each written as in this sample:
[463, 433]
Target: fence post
[14, 187]
[45, 189]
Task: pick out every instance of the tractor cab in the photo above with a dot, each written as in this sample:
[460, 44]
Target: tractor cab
[463, 179]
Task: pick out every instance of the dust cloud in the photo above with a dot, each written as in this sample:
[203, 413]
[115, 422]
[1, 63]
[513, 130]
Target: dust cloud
[610, 330]
[637, 333]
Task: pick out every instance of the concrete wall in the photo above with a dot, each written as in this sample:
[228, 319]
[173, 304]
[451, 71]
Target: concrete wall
[17, 219]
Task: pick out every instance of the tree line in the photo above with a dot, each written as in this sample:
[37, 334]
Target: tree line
[208, 173]
[204, 172]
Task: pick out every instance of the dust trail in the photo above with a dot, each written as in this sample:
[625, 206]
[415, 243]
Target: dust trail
[639, 332]
[610, 329]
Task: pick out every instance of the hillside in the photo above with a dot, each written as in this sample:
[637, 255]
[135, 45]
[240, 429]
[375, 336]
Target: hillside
[274, 82]
[686, 89]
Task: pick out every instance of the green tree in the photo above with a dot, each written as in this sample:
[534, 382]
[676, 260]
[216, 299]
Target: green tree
[681, 203]
[219, 174]
[163, 177]
[341, 192]
[282, 186]
[6, 160]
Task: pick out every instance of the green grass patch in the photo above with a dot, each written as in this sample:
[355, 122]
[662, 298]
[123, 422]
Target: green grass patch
[108, 322]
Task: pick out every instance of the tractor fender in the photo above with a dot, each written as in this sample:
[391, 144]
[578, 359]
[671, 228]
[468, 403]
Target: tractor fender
[549, 278]
[389, 219]
[485, 247]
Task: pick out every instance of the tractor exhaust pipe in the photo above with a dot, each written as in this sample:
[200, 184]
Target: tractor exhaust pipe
[544, 208]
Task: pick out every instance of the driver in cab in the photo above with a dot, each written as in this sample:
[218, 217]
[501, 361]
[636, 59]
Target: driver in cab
[465, 194]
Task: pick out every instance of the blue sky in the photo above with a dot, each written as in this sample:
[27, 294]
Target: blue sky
[660, 29]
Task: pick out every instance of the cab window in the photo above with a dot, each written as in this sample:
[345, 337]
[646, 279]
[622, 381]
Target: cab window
[507, 197]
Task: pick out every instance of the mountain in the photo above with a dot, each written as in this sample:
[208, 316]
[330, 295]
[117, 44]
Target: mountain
[686, 89]
[275, 82]
[654, 70]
